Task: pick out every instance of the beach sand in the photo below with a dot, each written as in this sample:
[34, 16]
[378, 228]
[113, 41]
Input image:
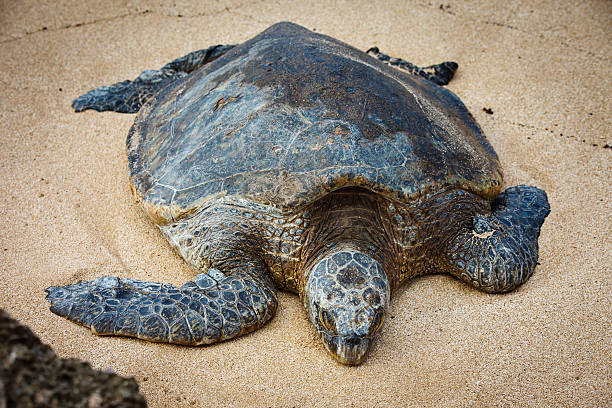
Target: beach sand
[543, 68]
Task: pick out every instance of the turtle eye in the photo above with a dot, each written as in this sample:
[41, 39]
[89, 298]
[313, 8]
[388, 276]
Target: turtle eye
[327, 320]
[377, 323]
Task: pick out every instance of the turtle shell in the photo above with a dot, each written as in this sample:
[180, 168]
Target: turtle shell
[291, 115]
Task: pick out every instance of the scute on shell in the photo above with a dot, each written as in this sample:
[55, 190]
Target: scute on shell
[291, 115]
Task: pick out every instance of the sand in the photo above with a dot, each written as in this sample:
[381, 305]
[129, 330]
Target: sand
[67, 214]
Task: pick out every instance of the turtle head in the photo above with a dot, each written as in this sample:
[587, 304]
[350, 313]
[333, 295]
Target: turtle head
[346, 296]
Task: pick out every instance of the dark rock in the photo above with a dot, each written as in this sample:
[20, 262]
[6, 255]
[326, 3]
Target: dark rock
[31, 375]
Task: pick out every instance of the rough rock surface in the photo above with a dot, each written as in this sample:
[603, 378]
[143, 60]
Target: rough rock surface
[31, 375]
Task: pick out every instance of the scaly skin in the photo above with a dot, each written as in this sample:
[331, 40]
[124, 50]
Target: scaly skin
[345, 255]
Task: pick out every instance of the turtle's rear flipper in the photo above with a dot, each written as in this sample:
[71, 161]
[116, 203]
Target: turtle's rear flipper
[499, 252]
[440, 74]
[211, 308]
[129, 96]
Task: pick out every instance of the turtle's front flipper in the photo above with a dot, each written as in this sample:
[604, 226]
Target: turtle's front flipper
[440, 74]
[500, 251]
[129, 96]
[211, 308]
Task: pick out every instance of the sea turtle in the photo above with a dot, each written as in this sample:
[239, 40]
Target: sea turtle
[298, 162]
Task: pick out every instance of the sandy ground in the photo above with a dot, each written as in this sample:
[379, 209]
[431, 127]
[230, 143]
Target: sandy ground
[67, 214]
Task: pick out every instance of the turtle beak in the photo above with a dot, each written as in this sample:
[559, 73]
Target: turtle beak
[350, 350]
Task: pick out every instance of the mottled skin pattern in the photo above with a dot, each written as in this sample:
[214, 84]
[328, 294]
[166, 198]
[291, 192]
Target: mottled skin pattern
[296, 162]
[348, 299]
